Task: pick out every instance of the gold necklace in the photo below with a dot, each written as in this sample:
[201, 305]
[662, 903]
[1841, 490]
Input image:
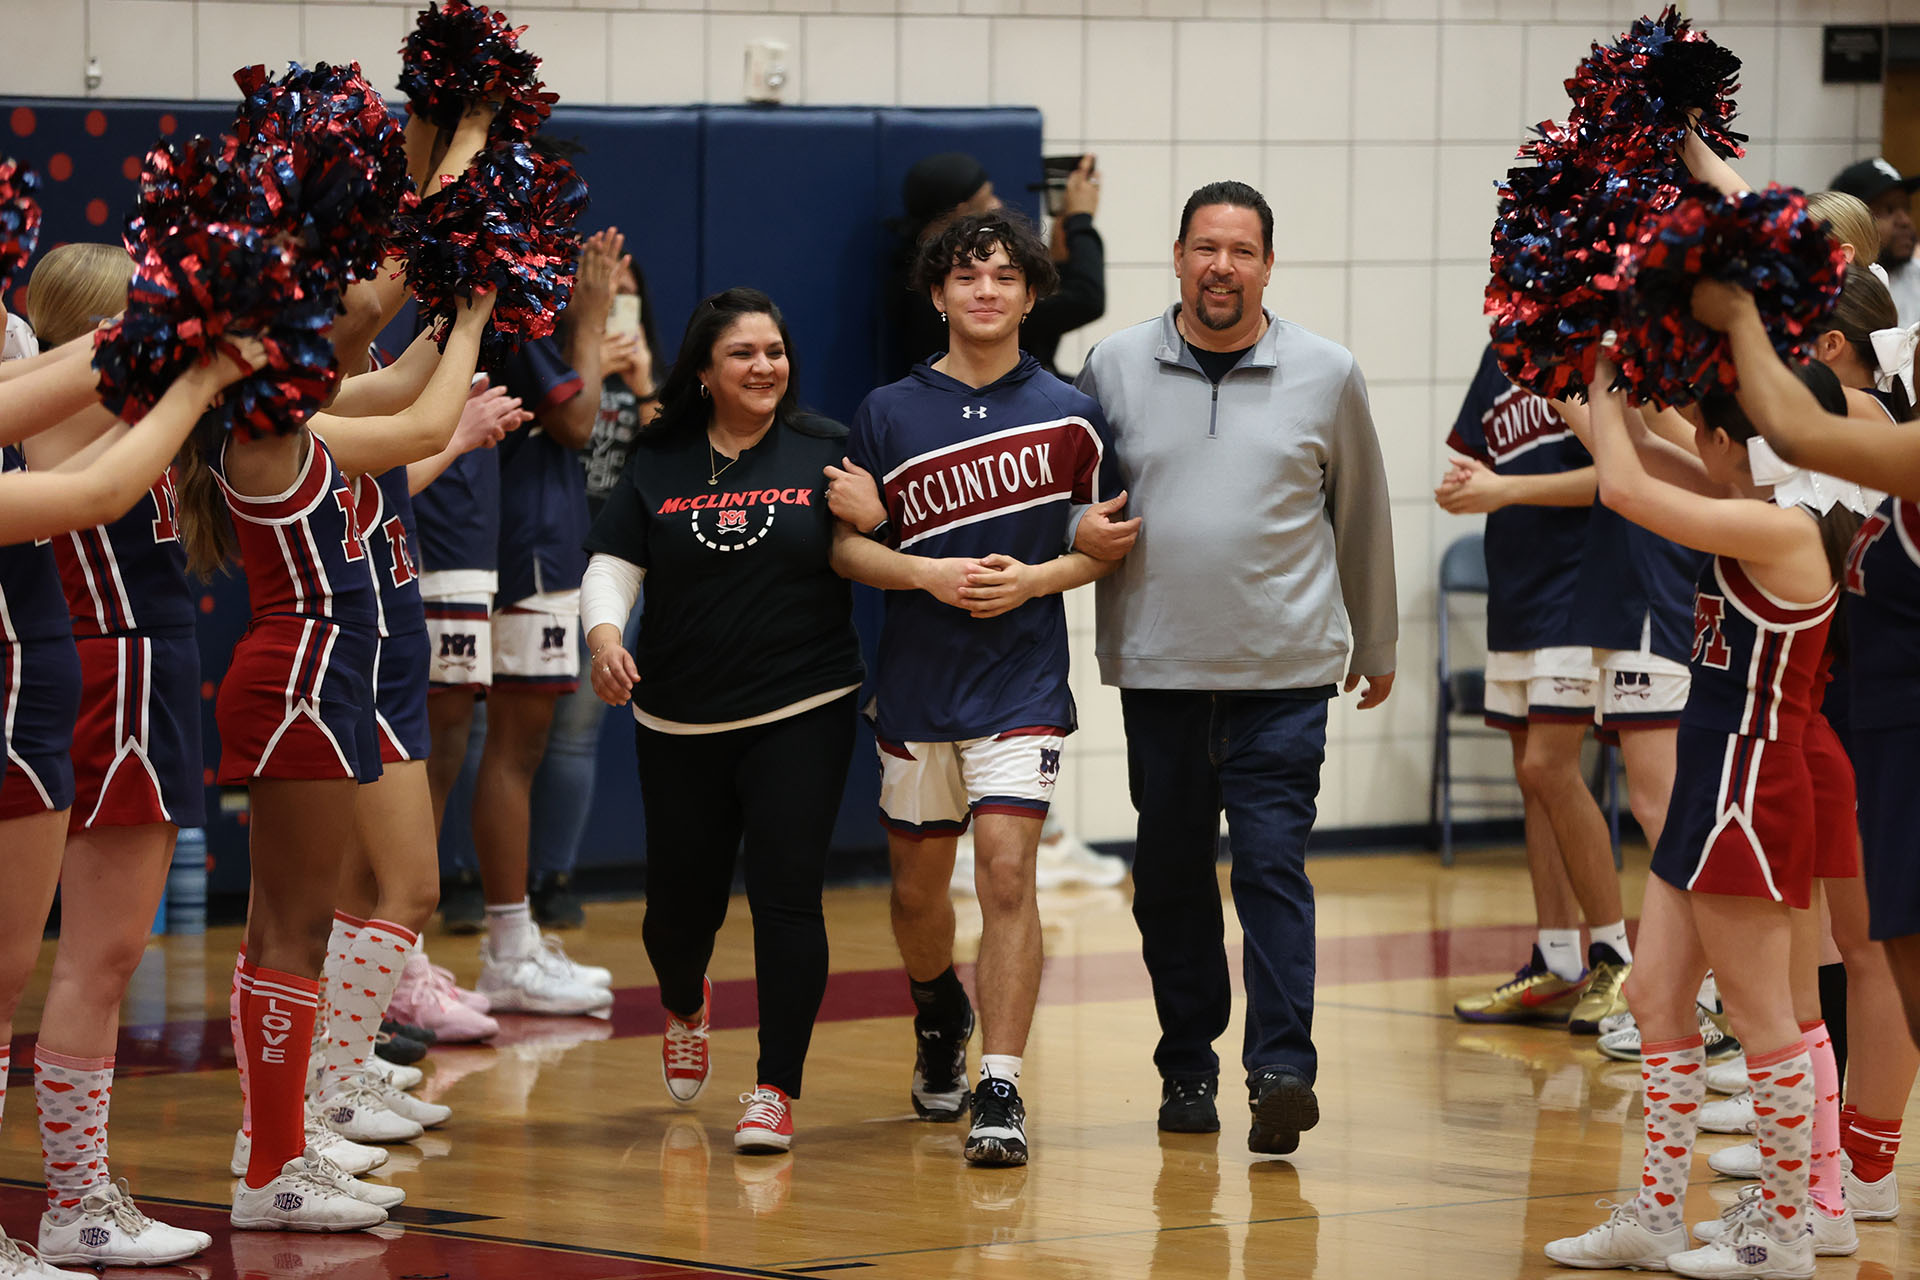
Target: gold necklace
[715, 470]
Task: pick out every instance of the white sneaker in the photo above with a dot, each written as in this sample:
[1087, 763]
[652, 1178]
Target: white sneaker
[1070, 861]
[1729, 1115]
[351, 1156]
[22, 1262]
[1872, 1201]
[961, 885]
[1728, 1077]
[1747, 1249]
[1621, 1043]
[406, 1106]
[1620, 1241]
[110, 1231]
[358, 1111]
[378, 1194]
[1832, 1237]
[1741, 1160]
[299, 1199]
[555, 957]
[531, 984]
[393, 1073]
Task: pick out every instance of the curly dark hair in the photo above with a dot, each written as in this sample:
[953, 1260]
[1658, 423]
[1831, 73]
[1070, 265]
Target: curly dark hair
[973, 238]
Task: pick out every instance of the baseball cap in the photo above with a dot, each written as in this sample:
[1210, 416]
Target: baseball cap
[1868, 180]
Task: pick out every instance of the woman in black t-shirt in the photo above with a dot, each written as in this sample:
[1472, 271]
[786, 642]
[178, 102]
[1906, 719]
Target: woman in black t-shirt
[743, 685]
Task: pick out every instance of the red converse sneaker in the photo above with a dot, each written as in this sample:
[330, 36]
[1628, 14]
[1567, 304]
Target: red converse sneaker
[684, 1060]
[767, 1128]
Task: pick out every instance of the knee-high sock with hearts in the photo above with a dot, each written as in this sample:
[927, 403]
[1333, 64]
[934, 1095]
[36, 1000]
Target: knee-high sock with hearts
[1824, 1184]
[357, 998]
[1783, 1090]
[72, 1096]
[236, 1001]
[1670, 1073]
[277, 1021]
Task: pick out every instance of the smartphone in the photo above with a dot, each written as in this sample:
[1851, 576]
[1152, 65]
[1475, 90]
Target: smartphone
[624, 315]
[1057, 170]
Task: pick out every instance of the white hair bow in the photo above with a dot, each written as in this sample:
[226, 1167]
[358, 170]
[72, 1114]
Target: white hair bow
[1893, 352]
[1880, 274]
[1796, 487]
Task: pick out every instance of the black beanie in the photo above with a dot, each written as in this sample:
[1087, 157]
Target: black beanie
[938, 183]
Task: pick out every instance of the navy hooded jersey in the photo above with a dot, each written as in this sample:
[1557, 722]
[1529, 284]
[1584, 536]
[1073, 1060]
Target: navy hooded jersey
[972, 473]
[1533, 553]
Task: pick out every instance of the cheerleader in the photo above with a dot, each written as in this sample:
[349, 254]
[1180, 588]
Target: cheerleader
[298, 729]
[1737, 851]
[40, 679]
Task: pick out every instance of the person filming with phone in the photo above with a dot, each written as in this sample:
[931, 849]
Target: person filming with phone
[943, 187]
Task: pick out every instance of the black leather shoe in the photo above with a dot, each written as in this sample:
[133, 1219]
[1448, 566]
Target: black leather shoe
[1186, 1104]
[1283, 1106]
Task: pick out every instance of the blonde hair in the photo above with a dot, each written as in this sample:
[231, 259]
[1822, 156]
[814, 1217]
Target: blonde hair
[73, 287]
[1848, 222]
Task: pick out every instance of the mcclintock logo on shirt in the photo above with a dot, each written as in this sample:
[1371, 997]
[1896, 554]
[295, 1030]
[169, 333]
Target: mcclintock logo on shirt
[734, 521]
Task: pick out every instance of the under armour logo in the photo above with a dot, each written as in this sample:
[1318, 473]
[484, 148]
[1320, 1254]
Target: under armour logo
[973, 411]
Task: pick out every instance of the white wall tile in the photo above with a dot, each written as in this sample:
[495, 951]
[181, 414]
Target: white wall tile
[1106, 811]
[1040, 62]
[1812, 165]
[1415, 557]
[1216, 83]
[797, 6]
[1476, 105]
[1391, 330]
[1389, 183]
[1187, 8]
[1134, 295]
[727, 37]
[1403, 419]
[1116, 8]
[1809, 110]
[1129, 81]
[1194, 166]
[943, 61]
[1386, 782]
[1138, 202]
[1867, 112]
[144, 48]
[1465, 200]
[1552, 54]
[228, 37]
[368, 34]
[1296, 9]
[1759, 77]
[46, 52]
[658, 58]
[1460, 323]
[849, 59]
[1308, 187]
[1309, 68]
[1052, 8]
[1313, 297]
[1395, 79]
[573, 52]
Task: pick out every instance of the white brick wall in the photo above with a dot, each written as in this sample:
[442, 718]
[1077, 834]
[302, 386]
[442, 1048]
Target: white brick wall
[1376, 127]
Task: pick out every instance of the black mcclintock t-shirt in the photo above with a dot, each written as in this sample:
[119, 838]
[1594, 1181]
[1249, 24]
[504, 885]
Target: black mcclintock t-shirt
[744, 613]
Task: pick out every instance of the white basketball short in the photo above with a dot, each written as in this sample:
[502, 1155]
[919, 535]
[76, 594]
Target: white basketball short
[1554, 685]
[935, 788]
[459, 634]
[534, 646]
[1639, 689]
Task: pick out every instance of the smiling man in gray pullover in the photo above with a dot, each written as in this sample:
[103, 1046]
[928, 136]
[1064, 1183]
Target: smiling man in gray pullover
[1262, 579]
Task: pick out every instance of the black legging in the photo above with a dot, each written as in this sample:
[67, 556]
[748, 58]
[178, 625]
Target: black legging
[779, 786]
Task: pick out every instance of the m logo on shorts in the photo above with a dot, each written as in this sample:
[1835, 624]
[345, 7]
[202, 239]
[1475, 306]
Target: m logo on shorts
[1049, 763]
[1632, 684]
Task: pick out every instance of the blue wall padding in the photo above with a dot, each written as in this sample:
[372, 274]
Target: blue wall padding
[797, 201]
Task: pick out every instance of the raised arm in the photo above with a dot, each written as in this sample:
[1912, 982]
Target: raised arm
[71, 349]
[571, 421]
[1881, 455]
[368, 446]
[102, 481]
[1744, 529]
[393, 388]
[51, 393]
[1708, 167]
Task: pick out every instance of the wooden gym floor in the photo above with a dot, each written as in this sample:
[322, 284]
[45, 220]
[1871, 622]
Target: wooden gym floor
[1445, 1150]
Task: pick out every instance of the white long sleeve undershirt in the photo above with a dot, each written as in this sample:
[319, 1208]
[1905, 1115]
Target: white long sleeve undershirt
[608, 591]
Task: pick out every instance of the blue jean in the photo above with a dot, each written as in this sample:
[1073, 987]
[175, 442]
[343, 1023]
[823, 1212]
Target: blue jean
[1191, 755]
